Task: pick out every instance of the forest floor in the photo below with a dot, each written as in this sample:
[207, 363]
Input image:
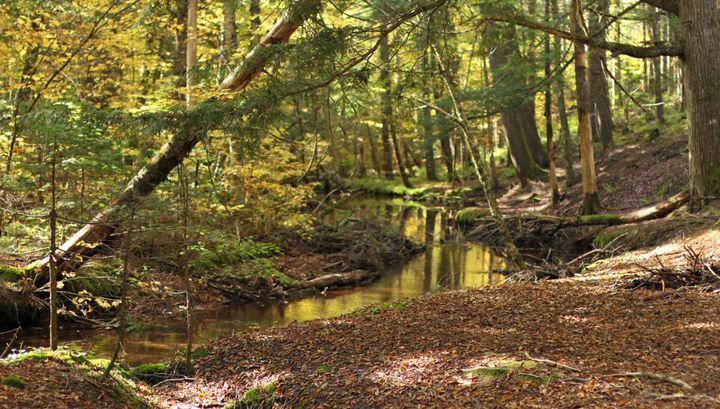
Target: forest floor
[555, 344]
[600, 338]
[62, 380]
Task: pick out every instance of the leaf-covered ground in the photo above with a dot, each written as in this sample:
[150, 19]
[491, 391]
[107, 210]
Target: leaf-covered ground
[55, 384]
[552, 344]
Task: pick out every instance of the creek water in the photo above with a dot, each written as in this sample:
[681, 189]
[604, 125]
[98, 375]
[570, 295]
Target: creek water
[447, 263]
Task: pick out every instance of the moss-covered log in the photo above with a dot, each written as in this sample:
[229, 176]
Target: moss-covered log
[474, 216]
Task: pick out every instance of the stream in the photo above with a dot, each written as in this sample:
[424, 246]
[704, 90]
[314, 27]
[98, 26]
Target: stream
[447, 263]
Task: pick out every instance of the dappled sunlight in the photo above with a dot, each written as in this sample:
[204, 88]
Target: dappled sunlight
[410, 370]
[703, 325]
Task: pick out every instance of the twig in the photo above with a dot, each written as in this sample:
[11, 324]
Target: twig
[553, 363]
[650, 375]
[184, 379]
[10, 344]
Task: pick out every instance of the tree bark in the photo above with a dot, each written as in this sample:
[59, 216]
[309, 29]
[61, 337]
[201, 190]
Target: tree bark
[386, 107]
[568, 145]
[552, 176]
[425, 119]
[191, 73]
[700, 31]
[180, 56]
[602, 117]
[657, 71]
[591, 200]
[87, 241]
[229, 27]
[519, 121]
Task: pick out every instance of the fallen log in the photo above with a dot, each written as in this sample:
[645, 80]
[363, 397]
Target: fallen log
[477, 216]
[89, 240]
[338, 279]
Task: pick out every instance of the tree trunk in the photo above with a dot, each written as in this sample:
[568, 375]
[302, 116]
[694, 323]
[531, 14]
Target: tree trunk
[701, 70]
[602, 117]
[361, 162]
[386, 107]
[86, 242]
[254, 10]
[229, 27]
[482, 174]
[591, 201]
[657, 71]
[180, 55]
[374, 154]
[568, 146]
[427, 126]
[398, 157]
[555, 192]
[518, 121]
[192, 38]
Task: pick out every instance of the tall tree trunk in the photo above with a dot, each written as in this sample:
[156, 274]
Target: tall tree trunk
[192, 38]
[180, 54]
[361, 161]
[518, 121]
[548, 113]
[700, 31]
[568, 146]
[591, 200]
[254, 10]
[374, 154]
[398, 155]
[52, 260]
[602, 112]
[425, 119]
[656, 37]
[386, 107]
[229, 27]
[82, 244]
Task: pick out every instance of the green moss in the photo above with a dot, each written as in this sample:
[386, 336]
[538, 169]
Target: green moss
[151, 373]
[123, 390]
[324, 368]
[386, 187]
[470, 215]
[13, 382]
[606, 237]
[229, 252]
[199, 353]
[506, 172]
[12, 274]
[264, 269]
[151, 369]
[37, 354]
[488, 372]
[255, 396]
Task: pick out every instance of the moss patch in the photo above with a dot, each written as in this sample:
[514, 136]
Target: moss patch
[470, 215]
[13, 382]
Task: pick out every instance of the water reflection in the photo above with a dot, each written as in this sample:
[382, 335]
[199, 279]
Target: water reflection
[447, 263]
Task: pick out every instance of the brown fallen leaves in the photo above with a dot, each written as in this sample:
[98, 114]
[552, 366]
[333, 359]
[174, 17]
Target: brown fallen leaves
[57, 385]
[632, 349]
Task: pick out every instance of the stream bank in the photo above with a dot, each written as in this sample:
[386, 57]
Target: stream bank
[446, 262]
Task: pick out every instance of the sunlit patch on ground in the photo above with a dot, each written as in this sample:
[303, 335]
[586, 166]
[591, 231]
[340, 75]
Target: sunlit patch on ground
[408, 371]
